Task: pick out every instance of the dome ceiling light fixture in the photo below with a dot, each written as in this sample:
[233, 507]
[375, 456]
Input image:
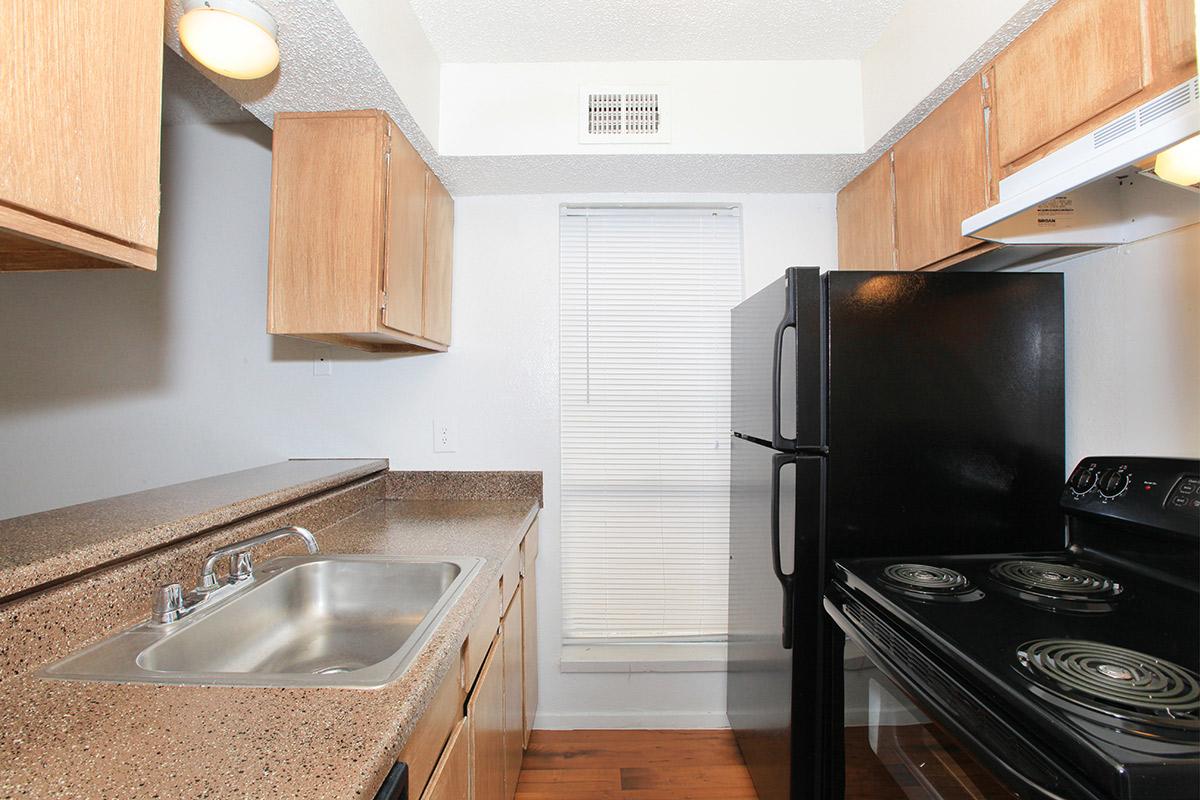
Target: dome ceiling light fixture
[234, 38]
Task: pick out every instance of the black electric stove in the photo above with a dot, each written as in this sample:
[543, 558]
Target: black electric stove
[1069, 674]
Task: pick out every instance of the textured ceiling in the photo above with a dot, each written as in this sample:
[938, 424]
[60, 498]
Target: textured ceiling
[325, 67]
[651, 30]
[189, 98]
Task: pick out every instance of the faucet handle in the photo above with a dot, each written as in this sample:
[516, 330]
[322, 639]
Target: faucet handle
[168, 602]
[241, 567]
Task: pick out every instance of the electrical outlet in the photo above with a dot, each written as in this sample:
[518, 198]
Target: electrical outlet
[445, 435]
[323, 361]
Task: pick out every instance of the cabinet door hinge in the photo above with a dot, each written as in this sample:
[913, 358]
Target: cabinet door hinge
[383, 300]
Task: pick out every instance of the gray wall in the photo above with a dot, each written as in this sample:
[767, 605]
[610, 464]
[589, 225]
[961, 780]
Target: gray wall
[119, 380]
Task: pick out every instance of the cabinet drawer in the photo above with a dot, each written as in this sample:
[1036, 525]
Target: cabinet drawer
[510, 576]
[479, 640]
[529, 549]
[424, 746]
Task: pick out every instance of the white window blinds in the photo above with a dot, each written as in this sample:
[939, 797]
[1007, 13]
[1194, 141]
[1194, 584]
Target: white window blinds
[645, 301]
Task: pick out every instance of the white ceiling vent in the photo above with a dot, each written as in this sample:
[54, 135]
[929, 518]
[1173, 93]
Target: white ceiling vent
[622, 115]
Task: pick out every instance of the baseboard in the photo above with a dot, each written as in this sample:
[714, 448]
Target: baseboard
[632, 720]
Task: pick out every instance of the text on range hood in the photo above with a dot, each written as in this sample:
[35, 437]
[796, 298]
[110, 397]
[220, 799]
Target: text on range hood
[1090, 193]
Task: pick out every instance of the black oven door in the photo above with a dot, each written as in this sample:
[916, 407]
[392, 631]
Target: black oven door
[907, 730]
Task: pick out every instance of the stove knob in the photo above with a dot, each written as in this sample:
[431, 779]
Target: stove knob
[1083, 481]
[1113, 482]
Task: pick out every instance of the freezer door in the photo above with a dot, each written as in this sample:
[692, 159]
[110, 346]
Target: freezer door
[779, 363]
[775, 617]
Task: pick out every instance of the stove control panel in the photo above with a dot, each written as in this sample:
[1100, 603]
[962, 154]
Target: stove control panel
[1156, 492]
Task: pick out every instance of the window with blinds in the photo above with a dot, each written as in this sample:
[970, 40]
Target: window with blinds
[645, 301]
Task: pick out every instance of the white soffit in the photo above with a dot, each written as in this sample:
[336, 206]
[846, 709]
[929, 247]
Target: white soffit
[325, 67]
[509, 31]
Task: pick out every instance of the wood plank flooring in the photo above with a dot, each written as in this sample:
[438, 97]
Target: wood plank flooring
[634, 765]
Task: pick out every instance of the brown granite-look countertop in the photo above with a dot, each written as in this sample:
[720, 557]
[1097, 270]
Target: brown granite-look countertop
[90, 740]
[49, 546]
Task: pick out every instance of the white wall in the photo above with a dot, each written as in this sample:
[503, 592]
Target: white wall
[116, 381]
[1133, 349]
[395, 39]
[924, 43]
[774, 107]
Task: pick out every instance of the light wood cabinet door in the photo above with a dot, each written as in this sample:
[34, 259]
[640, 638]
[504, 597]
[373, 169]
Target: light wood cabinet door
[942, 174]
[529, 657]
[80, 103]
[404, 255]
[1172, 31]
[450, 779]
[866, 219]
[514, 701]
[1081, 58]
[439, 258]
[485, 715]
[327, 190]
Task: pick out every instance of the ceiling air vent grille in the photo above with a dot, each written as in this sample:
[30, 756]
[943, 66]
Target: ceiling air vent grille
[622, 115]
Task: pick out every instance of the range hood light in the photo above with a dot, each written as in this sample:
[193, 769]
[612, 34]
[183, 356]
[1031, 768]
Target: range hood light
[234, 38]
[1180, 164]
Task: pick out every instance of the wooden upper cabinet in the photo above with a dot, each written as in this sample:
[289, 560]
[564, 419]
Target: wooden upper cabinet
[349, 242]
[942, 176]
[1081, 58]
[866, 219]
[1172, 35]
[404, 235]
[80, 115]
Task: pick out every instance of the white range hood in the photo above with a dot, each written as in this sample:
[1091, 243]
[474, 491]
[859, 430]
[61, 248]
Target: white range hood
[1090, 193]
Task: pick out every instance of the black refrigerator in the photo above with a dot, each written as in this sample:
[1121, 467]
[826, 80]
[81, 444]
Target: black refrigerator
[874, 413]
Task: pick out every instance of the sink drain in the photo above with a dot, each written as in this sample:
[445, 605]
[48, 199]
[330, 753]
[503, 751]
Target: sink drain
[337, 669]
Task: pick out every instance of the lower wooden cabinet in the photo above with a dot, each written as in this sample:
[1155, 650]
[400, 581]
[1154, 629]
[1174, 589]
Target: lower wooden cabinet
[529, 658]
[512, 632]
[485, 721]
[471, 740]
[451, 779]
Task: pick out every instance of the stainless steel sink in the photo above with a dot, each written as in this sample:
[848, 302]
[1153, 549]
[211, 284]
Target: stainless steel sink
[353, 621]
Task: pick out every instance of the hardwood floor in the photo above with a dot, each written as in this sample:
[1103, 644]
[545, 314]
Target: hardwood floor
[634, 765]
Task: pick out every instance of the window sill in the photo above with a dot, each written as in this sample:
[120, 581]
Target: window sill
[658, 657]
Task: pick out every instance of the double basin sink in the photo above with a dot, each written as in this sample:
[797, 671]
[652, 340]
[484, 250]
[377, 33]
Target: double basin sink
[315, 621]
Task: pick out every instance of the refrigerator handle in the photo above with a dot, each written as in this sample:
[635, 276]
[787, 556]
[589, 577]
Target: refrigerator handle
[789, 321]
[785, 579]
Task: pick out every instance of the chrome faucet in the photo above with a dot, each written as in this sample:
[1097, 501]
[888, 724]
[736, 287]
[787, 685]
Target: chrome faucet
[240, 565]
[170, 603]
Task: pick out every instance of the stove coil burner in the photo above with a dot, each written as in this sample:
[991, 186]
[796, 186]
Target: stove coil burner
[927, 581]
[1115, 681]
[1056, 581]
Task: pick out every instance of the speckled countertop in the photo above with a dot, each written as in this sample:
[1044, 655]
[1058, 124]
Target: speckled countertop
[36, 549]
[88, 740]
